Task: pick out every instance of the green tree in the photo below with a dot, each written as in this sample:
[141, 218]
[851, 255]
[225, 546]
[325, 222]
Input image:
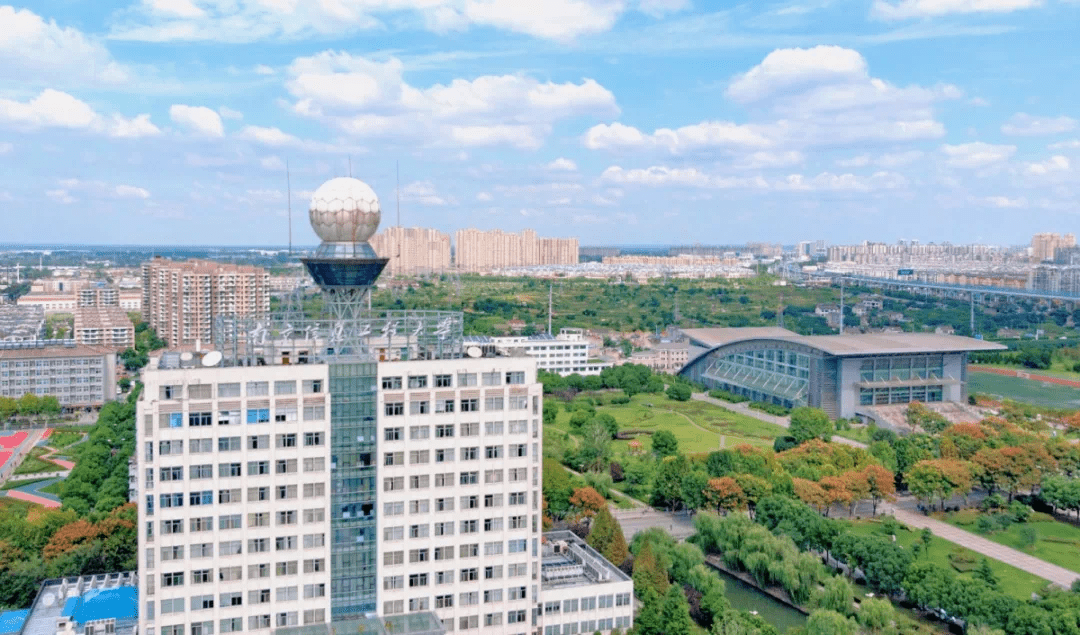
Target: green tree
[557, 488]
[606, 536]
[551, 411]
[836, 595]
[648, 576]
[824, 622]
[986, 574]
[649, 620]
[810, 423]
[664, 444]
[675, 612]
[679, 392]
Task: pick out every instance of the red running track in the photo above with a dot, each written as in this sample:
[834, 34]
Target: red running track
[23, 496]
[12, 441]
[4, 457]
[1008, 372]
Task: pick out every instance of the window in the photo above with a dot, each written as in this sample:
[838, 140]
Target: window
[493, 452]
[466, 379]
[172, 527]
[393, 533]
[228, 417]
[419, 432]
[259, 442]
[444, 504]
[519, 427]
[314, 565]
[228, 390]
[205, 497]
[394, 509]
[391, 558]
[393, 434]
[492, 403]
[419, 555]
[493, 427]
[232, 599]
[258, 415]
[445, 479]
[228, 444]
[391, 383]
[444, 405]
[171, 500]
[518, 498]
[444, 601]
[314, 616]
[285, 492]
[258, 494]
[518, 474]
[285, 466]
[519, 402]
[515, 377]
[470, 502]
[394, 458]
[231, 624]
[419, 457]
[517, 592]
[492, 548]
[494, 524]
[314, 490]
[392, 582]
[313, 541]
[393, 483]
[172, 553]
[469, 478]
[314, 516]
[285, 543]
[470, 405]
[172, 579]
[171, 474]
[493, 476]
[418, 381]
[258, 388]
[285, 387]
[166, 448]
[470, 429]
[444, 381]
[468, 526]
[284, 568]
[284, 414]
[469, 575]
[314, 413]
[394, 408]
[444, 553]
[444, 529]
[171, 392]
[313, 386]
[200, 471]
[258, 622]
[444, 577]
[517, 546]
[202, 602]
[286, 517]
[202, 446]
[470, 454]
[491, 379]
[317, 464]
[419, 506]
[201, 576]
[200, 419]
[205, 523]
[444, 431]
[419, 407]
[519, 450]
[175, 420]
[418, 531]
[226, 496]
[622, 599]
[314, 591]
[515, 617]
[313, 439]
[258, 468]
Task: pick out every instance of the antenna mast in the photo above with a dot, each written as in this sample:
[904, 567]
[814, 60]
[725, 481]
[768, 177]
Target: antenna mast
[288, 188]
[551, 287]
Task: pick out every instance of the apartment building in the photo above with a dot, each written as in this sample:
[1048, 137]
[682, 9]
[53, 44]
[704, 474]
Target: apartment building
[412, 250]
[582, 592]
[77, 375]
[459, 491]
[235, 526]
[107, 326]
[567, 353]
[1044, 246]
[480, 251]
[181, 299]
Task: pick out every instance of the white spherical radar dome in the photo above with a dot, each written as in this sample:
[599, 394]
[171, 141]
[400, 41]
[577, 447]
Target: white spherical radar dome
[345, 210]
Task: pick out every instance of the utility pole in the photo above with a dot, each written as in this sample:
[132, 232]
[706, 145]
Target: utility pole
[288, 188]
[972, 314]
[841, 305]
[551, 288]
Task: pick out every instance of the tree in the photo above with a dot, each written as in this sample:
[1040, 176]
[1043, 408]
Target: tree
[675, 612]
[606, 536]
[664, 444]
[810, 423]
[940, 477]
[595, 446]
[836, 595]
[882, 484]
[679, 392]
[668, 486]
[586, 503]
[551, 411]
[724, 494]
[649, 620]
[557, 488]
[823, 622]
[693, 489]
[647, 573]
[986, 574]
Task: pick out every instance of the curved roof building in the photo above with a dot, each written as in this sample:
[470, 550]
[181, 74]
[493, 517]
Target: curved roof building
[845, 375]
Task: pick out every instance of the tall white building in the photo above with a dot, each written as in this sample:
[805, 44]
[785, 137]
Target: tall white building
[566, 353]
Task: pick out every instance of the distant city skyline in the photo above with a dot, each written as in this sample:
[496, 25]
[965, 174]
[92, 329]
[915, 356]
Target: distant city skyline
[613, 121]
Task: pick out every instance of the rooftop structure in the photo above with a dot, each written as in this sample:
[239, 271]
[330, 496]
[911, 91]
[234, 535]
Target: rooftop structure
[85, 605]
[845, 375]
[581, 591]
[21, 323]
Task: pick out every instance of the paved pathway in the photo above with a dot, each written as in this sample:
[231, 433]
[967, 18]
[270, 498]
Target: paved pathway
[679, 525]
[783, 422]
[1058, 575]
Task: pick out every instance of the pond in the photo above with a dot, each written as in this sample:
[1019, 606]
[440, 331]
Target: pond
[745, 597]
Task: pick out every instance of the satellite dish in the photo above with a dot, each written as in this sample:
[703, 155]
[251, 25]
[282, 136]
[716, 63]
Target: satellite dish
[474, 352]
[48, 599]
[186, 356]
[213, 358]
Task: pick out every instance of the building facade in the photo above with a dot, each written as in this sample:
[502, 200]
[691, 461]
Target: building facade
[845, 375]
[582, 592]
[77, 375]
[567, 353]
[413, 250]
[1044, 246]
[481, 251]
[107, 326]
[181, 299]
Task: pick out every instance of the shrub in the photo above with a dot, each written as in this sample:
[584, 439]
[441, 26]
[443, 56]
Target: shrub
[962, 561]
[966, 517]
[784, 443]
[1019, 512]
[727, 396]
[619, 400]
[616, 470]
[770, 408]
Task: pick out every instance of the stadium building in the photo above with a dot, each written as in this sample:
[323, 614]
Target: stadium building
[844, 375]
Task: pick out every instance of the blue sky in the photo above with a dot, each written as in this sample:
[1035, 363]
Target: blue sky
[617, 121]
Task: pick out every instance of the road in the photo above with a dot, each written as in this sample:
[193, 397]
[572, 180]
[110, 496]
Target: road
[783, 422]
[679, 525]
[1058, 575]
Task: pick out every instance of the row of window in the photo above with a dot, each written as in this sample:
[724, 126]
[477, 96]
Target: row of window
[436, 554]
[230, 470]
[251, 389]
[254, 623]
[447, 430]
[281, 414]
[224, 522]
[472, 526]
[236, 547]
[420, 457]
[494, 378]
[491, 404]
[423, 481]
[587, 604]
[235, 444]
[464, 623]
[233, 495]
[472, 574]
[236, 598]
[229, 574]
[589, 626]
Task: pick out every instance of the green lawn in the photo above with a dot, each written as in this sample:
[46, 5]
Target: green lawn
[63, 437]
[1013, 581]
[14, 484]
[1056, 542]
[856, 433]
[657, 412]
[1025, 390]
[53, 489]
[33, 463]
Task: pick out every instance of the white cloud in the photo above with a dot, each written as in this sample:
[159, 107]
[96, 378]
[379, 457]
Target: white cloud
[1025, 125]
[424, 192]
[370, 99]
[6, 147]
[765, 159]
[1005, 202]
[34, 50]
[888, 160]
[562, 164]
[269, 136]
[860, 161]
[784, 69]
[1073, 144]
[830, 182]
[1056, 163]
[229, 113]
[198, 119]
[484, 197]
[60, 196]
[130, 191]
[253, 20]
[56, 109]
[97, 189]
[705, 135]
[660, 176]
[976, 155]
[272, 162]
[903, 9]
[263, 69]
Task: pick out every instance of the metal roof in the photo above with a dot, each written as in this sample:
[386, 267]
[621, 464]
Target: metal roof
[857, 345]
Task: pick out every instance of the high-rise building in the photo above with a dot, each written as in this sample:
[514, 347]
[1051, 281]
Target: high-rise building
[181, 299]
[357, 473]
[413, 250]
[104, 326]
[480, 251]
[1044, 246]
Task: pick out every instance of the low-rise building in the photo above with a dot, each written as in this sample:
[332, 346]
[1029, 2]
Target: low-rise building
[664, 357]
[21, 323]
[103, 604]
[581, 591]
[107, 326]
[567, 353]
[77, 375]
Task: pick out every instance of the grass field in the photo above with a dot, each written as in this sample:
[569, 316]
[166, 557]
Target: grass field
[64, 437]
[15, 507]
[1025, 390]
[1056, 542]
[33, 463]
[14, 484]
[1013, 581]
[697, 425]
[53, 489]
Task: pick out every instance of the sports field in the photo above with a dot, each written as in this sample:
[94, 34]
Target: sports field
[1025, 390]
